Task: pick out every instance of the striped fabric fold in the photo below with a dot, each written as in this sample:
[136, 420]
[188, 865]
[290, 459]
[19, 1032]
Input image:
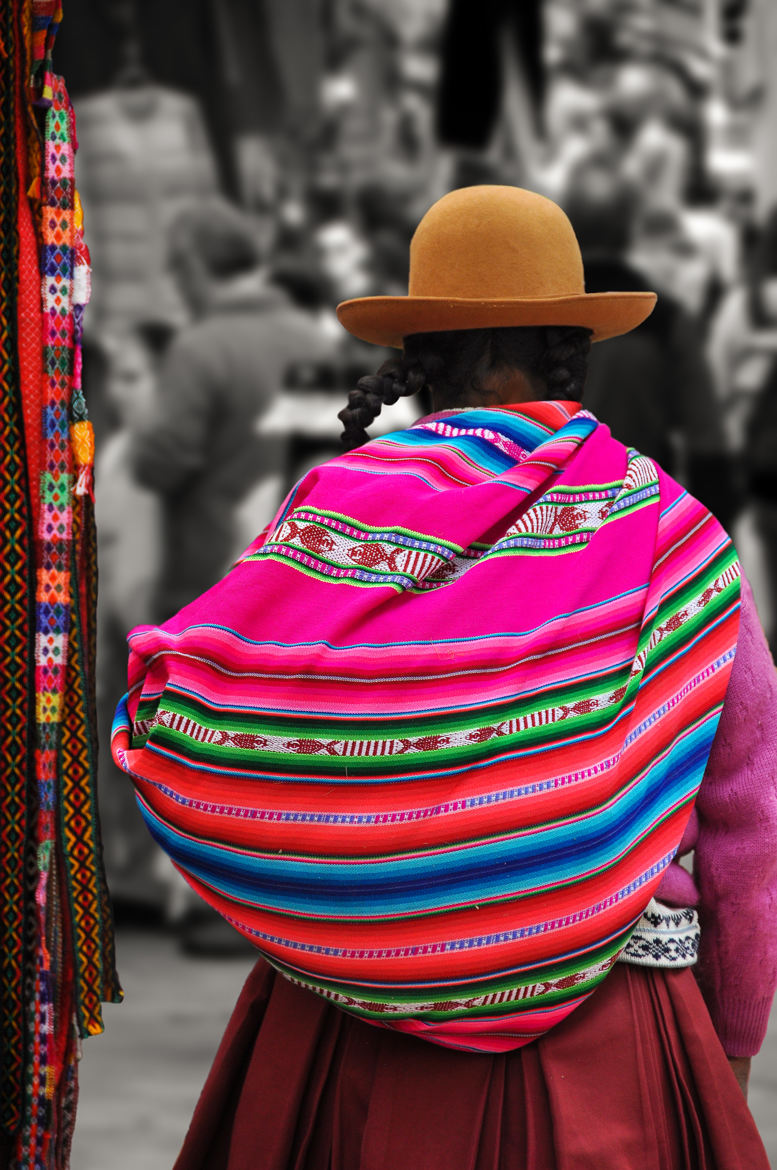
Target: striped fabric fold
[433, 741]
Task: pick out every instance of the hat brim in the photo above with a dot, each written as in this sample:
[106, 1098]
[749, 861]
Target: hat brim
[388, 320]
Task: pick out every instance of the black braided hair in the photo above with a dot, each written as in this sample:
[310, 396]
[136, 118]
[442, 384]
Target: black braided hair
[396, 378]
[465, 366]
[564, 364]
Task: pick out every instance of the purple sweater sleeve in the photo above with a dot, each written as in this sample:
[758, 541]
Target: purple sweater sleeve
[735, 860]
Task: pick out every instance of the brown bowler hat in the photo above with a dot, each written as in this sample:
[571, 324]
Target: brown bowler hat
[487, 256]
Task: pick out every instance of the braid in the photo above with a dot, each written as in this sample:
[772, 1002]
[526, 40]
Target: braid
[459, 367]
[364, 405]
[396, 378]
[565, 361]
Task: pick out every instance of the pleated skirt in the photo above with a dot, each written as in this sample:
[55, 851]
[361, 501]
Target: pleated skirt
[635, 1079]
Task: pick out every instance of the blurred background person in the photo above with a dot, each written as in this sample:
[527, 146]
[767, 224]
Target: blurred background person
[492, 84]
[129, 558]
[743, 352]
[143, 151]
[654, 384]
[200, 449]
[743, 334]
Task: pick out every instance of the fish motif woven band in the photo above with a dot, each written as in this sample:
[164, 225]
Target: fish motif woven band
[433, 741]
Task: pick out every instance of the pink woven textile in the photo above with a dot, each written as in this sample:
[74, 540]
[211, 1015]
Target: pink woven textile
[432, 744]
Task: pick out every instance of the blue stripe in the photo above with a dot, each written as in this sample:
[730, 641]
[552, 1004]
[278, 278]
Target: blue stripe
[480, 451]
[524, 432]
[420, 884]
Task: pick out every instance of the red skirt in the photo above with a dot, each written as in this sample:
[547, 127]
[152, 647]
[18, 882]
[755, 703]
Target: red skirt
[635, 1079]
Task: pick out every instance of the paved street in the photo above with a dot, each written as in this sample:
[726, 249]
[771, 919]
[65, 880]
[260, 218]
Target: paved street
[140, 1080]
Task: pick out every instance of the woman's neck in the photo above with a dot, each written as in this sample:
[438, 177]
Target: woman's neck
[510, 388]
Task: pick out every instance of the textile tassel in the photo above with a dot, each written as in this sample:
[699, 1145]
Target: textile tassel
[46, 19]
[82, 440]
[81, 430]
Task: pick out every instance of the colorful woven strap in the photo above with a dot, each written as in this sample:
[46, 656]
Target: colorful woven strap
[16, 574]
[57, 956]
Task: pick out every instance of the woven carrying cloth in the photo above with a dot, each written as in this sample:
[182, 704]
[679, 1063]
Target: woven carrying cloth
[432, 743]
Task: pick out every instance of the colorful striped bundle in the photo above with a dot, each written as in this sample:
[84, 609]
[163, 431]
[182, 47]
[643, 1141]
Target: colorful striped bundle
[432, 743]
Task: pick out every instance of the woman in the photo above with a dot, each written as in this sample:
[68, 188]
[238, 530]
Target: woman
[435, 741]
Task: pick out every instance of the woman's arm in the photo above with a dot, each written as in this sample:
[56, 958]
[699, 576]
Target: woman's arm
[735, 862]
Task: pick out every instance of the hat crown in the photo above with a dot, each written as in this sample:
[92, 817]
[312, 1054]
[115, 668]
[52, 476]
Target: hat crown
[495, 243]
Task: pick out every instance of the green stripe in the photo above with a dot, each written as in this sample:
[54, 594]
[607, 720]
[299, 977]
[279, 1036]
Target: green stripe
[412, 995]
[321, 576]
[488, 985]
[396, 726]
